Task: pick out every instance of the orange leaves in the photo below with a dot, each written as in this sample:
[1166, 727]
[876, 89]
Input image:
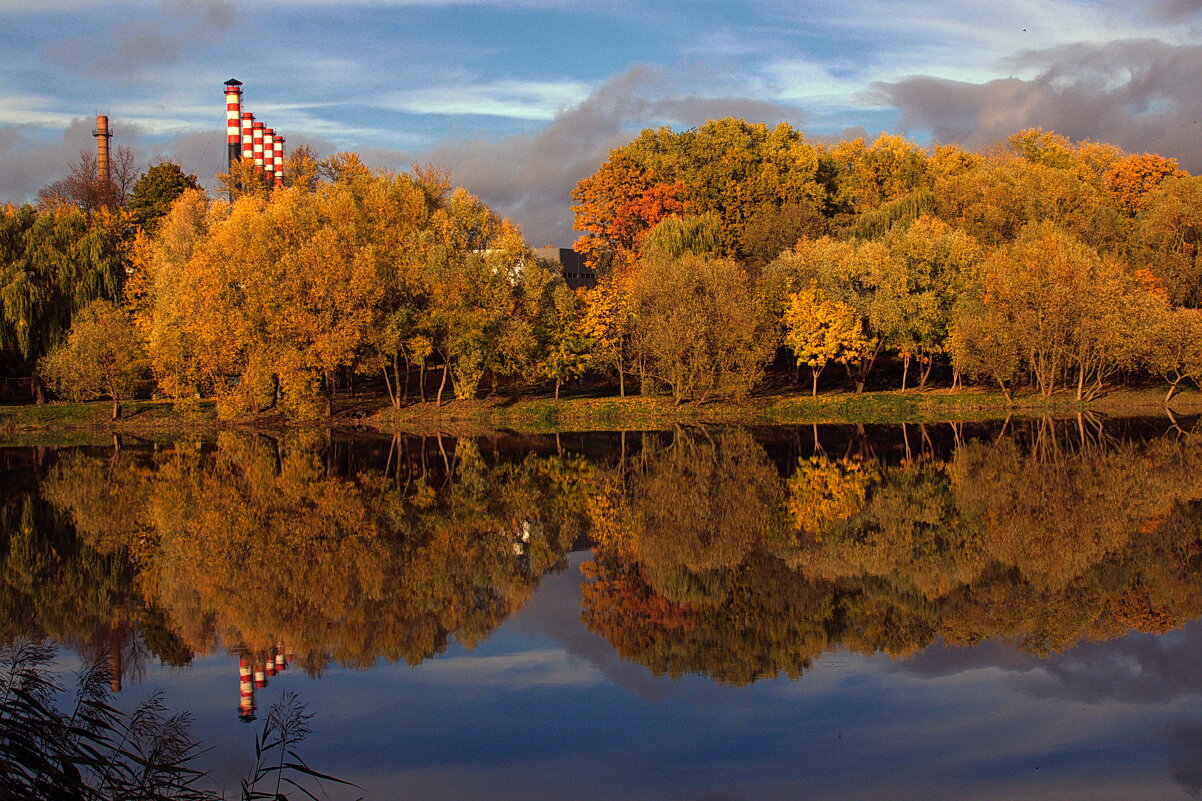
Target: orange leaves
[618, 205]
[1131, 180]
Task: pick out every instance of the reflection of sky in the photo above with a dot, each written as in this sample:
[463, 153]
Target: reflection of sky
[546, 709]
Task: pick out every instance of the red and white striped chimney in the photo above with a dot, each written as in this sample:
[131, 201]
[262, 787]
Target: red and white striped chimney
[269, 152]
[258, 144]
[248, 136]
[279, 160]
[233, 119]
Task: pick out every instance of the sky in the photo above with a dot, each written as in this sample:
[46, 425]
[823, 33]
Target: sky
[520, 99]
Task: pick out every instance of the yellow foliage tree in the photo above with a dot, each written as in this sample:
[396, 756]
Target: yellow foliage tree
[819, 330]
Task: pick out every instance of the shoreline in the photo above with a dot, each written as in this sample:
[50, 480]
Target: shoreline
[539, 414]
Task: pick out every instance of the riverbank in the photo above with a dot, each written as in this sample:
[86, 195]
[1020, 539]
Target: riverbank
[540, 414]
[537, 414]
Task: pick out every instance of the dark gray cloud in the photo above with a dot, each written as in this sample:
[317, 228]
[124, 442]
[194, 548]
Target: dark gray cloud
[1177, 9]
[528, 177]
[179, 28]
[1143, 95]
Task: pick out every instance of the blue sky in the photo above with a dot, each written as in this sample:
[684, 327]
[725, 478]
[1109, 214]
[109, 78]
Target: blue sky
[521, 98]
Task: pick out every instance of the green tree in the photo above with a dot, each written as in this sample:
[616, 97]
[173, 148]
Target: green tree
[53, 263]
[154, 193]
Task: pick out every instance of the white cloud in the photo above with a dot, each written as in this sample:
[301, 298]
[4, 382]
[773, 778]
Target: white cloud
[523, 100]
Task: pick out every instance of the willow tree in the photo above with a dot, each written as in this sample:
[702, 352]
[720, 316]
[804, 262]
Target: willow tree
[53, 263]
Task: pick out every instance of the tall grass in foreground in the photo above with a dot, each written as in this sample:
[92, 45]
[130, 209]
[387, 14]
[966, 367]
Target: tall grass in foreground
[88, 750]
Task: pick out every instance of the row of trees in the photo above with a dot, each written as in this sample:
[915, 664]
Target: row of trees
[722, 250]
[1040, 262]
[710, 555]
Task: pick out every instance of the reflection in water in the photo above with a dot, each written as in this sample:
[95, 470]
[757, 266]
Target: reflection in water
[739, 555]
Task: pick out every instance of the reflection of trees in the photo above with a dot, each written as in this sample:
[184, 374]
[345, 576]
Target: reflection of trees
[257, 542]
[708, 559]
[1046, 536]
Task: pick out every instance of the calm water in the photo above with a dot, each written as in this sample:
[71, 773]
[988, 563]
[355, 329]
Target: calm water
[918, 612]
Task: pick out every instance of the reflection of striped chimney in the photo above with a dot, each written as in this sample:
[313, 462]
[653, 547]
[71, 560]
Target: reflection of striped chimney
[269, 152]
[260, 678]
[279, 160]
[233, 119]
[280, 662]
[248, 136]
[269, 665]
[246, 689]
[258, 143]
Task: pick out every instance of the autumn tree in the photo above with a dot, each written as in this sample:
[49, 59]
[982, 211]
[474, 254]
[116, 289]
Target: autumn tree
[1175, 347]
[100, 358]
[863, 275]
[729, 167]
[566, 352]
[1133, 178]
[697, 328]
[1168, 238]
[819, 330]
[1074, 312]
[609, 324]
[935, 264]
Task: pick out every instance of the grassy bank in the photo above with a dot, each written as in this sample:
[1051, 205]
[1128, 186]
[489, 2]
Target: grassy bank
[539, 414]
[534, 414]
[84, 421]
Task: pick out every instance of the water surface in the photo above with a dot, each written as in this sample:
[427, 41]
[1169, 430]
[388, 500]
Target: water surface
[943, 611]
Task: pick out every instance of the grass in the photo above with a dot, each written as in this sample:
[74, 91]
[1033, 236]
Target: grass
[539, 414]
[85, 421]
[79, 423]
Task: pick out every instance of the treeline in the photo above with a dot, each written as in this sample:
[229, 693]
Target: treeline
[722, 250]
[1039, 263]
[712, 552]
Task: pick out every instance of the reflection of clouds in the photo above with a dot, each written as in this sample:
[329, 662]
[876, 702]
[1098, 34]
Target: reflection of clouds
[1185, 765]
[1138, 668]
[554, 613]
[544, 667]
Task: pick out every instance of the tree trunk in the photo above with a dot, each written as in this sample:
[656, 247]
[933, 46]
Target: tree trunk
[925, 374]
[446, 368]
[328, 387]
[388, 385]
[116, 409]
[621, 383]
[396, 377]
[39, 390]
[905, 370]
[1172, 390]
[421, 379]
[814, 382]
[557, 389]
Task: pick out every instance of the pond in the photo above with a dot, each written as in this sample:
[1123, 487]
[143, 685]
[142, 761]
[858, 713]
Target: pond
[986, 610]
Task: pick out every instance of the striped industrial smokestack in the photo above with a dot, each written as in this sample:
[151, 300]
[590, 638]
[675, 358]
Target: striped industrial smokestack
[279, 160]
[269, 153]
[248, 135]
[233, 121]
[258, 145]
